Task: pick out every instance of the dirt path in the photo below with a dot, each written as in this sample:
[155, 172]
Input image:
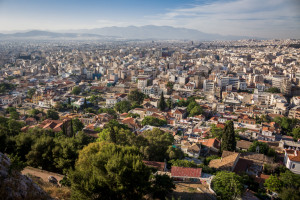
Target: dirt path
[41, 173]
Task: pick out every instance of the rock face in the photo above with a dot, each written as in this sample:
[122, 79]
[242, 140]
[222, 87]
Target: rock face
[15, 186]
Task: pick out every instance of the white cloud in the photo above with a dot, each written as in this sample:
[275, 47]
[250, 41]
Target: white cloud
[263, 18]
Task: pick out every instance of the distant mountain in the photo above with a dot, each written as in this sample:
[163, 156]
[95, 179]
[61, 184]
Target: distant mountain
[131, 32]
[36, 34]
[159, 32]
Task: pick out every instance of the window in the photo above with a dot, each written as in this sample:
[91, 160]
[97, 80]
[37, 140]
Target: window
[293, 166]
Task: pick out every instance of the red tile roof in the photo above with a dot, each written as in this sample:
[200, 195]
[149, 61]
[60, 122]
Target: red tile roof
[186, 172]
[158, 165]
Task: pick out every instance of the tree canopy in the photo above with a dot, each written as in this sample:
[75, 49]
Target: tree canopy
[136, 96]
[76, 90]
[153, 121]
[228, 185]
[117, 173]
[228, 137]
[52, 114]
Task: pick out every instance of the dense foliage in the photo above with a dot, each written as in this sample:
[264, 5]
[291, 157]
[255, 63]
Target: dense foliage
[263, 148]
[117, 173]
[228, 185]
[153, 121]
[228, 137]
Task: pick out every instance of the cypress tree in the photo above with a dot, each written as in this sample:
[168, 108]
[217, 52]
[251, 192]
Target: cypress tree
[228, 137]
[162, 103]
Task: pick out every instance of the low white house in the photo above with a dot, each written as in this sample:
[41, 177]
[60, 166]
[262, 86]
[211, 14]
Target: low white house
[292, 160]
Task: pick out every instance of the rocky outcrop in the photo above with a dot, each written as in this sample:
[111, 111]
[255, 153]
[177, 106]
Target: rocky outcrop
[15, 186]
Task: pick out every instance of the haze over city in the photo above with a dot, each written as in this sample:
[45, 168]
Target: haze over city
[252, 18]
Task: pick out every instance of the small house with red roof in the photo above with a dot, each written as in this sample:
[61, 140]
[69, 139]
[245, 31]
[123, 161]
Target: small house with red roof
[186, 174]
[292, 160]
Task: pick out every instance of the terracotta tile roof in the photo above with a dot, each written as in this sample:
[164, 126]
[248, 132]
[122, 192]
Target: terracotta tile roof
[243, 144]
[212, 142]
[158, 165]
[227, 162]
[295, 158]
[186, 172]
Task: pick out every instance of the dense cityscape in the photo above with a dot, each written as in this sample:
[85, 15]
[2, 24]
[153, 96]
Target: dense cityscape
[143, 119]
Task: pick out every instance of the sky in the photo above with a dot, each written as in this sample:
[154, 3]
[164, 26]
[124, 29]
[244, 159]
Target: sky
[254, 18]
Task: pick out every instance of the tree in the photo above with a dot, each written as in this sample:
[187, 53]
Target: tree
[273, 90]
[197, 110]
[153, 121]
[23, 143]
[228, 137]
[290, 180]
[52, 114]
[216, 132]
[85, 103]
[14, 115]
[156, 144]
[273, 183]
[162, 103]
[40, 154]
[169, 103]
[161, 186]
[183, 163]
[227, 185]
[174, 153]
[289, 194]
[170, 85]
[77, 125]
[31, 92]
[263, 147]
[76, 90]
[123, 106]
[109, 171]
[136, 96]
[296, 133]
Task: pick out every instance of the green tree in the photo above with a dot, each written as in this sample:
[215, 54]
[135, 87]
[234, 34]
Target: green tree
[77, 125]
[76, 90]
[136, 96]
[40, 154]
[273, 90]
[153, 121]
[289, 194]
[183, 163]
[170, 85]
[273, 183]
[162, 185]
[31, 92]
[23, 143]
[216, 132]
[170, 103]
[14, 126]
[123, 106]
[290, 180]
[174, 153]
[162, 105]
[228, 185]
[109, 171]
[296, 133]
[15, 115]
[52, 114]
[156, 144]
[197, 110]
[228, 137]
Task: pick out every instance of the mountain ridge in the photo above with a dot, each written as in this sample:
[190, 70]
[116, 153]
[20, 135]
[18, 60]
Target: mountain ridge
[148, 32]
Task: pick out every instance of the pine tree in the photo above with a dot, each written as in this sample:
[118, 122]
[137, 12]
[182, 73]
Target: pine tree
[84, 103]
[228, 137]
[162, 103]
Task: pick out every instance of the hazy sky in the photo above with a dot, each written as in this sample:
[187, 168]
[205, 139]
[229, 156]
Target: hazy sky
[261, 18]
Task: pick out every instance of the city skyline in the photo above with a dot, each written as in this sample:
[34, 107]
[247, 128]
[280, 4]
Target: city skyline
[253, 18]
